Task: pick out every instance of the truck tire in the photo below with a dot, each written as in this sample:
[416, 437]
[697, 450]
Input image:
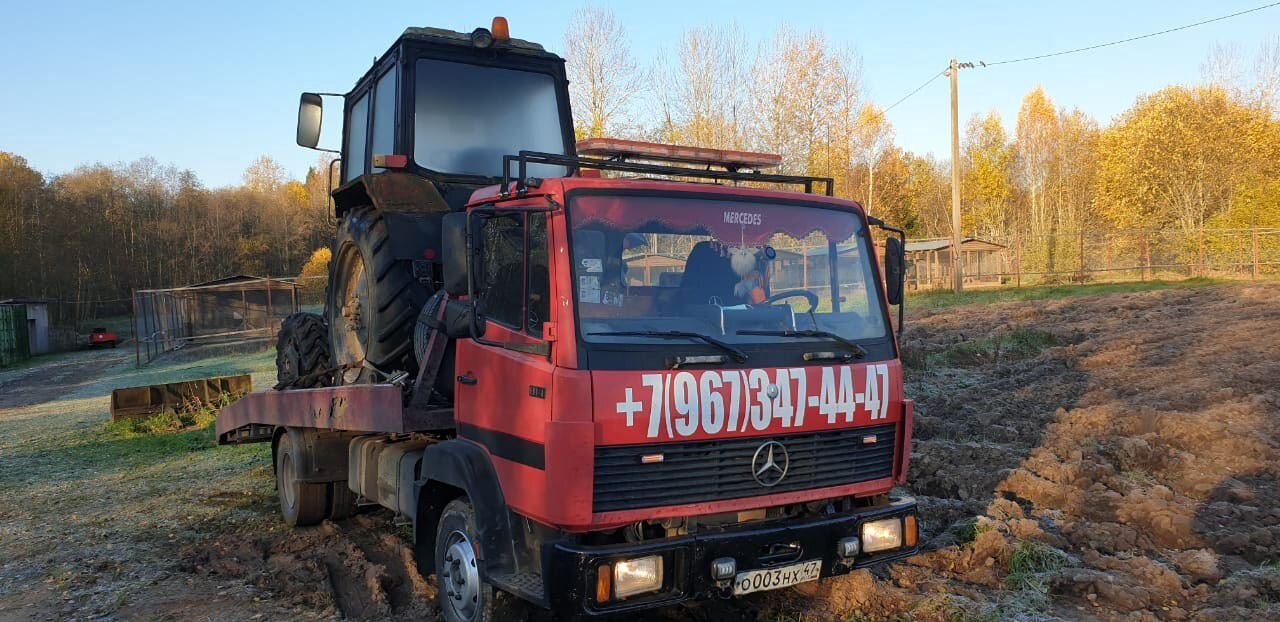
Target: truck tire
[463, 595]
[373, 301]
[301, 503]
[302, 353]
[342, 501]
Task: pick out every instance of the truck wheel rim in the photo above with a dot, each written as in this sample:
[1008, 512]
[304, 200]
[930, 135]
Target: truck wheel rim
[460, 577]
[287, 493]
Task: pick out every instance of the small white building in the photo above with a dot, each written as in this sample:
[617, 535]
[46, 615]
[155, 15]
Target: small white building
[37, 322]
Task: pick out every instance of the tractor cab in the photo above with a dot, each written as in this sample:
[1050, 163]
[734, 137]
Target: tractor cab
[445, 107]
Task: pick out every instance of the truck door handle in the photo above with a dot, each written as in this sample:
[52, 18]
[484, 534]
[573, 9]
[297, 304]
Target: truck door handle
[466, 379]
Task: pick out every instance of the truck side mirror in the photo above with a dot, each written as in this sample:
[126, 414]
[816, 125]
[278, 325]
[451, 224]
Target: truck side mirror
[456, 257]
[310, 112]
[894, 269]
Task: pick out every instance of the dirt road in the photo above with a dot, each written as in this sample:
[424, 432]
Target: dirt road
[1108, 457]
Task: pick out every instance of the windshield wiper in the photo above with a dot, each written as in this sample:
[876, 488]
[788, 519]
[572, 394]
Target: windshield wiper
[736, 354]
[852, 347]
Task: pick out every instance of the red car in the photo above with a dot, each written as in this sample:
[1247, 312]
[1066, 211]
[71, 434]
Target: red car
[102, 337]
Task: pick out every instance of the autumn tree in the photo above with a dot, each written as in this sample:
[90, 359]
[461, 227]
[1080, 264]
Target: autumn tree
[1036, 142]
[701, 89]
[872, 135]
[1179, 155]
[987, 177]
[603, 78]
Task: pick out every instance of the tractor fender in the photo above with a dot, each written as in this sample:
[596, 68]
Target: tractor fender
[454, 468]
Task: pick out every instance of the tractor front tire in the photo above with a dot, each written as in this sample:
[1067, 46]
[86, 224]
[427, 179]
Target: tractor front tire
[302, 353]
[373, 301]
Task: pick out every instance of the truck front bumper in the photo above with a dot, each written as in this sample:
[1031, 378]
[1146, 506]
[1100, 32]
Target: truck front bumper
[570, 570]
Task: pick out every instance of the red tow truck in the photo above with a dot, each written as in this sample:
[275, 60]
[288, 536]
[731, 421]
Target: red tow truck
[596, 377]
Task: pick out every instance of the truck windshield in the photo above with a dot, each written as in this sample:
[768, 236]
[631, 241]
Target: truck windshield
[741, 272]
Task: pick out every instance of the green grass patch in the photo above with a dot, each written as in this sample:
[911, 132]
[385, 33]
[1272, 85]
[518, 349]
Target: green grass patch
[941, 299]
[194, 415]
[969, 530]
[1032, 564]
[1017, 344]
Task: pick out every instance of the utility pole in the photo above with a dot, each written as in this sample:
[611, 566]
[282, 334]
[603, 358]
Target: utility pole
[957, 274]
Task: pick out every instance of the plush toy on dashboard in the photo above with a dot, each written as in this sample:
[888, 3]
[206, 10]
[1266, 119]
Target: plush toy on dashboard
[746, 264]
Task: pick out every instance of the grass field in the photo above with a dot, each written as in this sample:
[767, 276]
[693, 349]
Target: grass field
[941, 299]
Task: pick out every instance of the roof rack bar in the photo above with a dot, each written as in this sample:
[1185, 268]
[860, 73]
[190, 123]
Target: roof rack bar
[524, 158]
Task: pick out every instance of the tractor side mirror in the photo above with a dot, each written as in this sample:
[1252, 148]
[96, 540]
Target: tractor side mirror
[456, 256]
[895, 260]
[310, 112]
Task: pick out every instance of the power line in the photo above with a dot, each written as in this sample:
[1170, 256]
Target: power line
[1130, 39]
[917, 90]
[1083, 49]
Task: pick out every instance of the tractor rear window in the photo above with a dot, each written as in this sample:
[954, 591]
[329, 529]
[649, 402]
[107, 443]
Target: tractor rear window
[466, 117]
[662, 263]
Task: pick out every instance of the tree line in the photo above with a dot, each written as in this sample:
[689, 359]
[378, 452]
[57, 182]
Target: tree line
[1184, 157]
[90, 236]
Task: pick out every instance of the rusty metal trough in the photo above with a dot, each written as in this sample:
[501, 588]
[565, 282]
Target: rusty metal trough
[145, 401]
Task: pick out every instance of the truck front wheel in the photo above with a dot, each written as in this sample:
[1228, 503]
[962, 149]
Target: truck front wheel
[463, 595]
[301, 503]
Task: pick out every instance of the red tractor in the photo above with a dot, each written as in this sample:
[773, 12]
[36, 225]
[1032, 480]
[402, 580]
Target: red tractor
[596, 377]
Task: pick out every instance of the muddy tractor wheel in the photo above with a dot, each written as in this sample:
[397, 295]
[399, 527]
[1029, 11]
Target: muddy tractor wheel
[373, 301]
[302, 353]
[463, 595]
[301, 503]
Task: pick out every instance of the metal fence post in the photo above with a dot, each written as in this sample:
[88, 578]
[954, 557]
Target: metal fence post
[270, 318]
[1017, 262]
[133, 327]
[1082, 255]
[1200, 262]
[1146, 256]
[1255, 251]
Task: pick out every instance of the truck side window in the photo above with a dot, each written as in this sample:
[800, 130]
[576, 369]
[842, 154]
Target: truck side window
[502, 277]
[539, 303]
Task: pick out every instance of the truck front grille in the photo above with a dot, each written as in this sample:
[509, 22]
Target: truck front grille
[698, 471]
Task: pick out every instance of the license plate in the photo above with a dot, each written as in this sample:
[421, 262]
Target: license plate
[774, 578]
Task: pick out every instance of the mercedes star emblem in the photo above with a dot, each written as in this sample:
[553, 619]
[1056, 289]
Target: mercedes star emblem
[770, 464]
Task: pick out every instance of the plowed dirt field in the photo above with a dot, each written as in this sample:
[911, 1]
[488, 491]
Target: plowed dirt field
[1110, 457]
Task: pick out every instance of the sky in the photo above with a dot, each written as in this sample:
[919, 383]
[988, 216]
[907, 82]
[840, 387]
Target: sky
[210, 86]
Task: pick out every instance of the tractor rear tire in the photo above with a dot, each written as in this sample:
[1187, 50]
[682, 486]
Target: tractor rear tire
[373, 301]
[302, 353]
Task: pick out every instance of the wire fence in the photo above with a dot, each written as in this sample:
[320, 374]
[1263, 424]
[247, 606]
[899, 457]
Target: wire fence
[1097, 255]
[232, 310]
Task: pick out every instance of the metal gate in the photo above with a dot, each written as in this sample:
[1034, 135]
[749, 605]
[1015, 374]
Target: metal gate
[14, 346]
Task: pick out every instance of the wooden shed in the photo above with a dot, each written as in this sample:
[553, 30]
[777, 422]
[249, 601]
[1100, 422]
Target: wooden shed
[929, 262]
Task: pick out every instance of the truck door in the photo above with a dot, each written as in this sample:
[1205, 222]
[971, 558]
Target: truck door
[503, 386]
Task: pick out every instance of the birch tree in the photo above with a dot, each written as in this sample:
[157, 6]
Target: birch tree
[603, 77]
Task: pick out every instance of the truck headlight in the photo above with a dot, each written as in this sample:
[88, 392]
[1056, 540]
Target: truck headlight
[637, 576]
[881, 535]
